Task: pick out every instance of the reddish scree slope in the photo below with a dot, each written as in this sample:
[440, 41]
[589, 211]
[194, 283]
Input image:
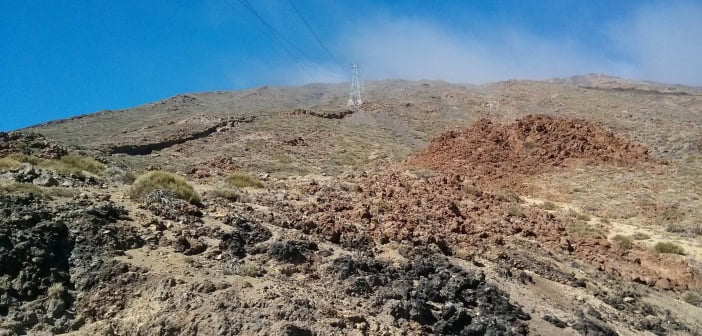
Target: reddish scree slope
[497, 155]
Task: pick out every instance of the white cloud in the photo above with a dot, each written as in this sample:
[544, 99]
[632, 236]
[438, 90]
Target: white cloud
[663, 42]
[414, 49]
[660, 43]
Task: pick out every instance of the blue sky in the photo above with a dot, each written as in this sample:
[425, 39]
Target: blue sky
[62, 58]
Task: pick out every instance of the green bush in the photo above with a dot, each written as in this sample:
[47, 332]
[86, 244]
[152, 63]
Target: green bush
[240, 180]
[159, 180]
[669, 247]
[623, 241]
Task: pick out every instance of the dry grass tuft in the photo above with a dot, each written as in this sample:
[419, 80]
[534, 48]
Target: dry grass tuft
[56, 290]
[156, 180]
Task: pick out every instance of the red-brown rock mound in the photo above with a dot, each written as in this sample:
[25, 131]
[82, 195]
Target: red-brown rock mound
[494, 154]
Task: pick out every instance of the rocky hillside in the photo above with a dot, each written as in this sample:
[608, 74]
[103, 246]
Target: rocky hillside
[567, 207]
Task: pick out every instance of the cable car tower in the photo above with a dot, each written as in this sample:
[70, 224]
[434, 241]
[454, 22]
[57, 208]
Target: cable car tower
[355, 95]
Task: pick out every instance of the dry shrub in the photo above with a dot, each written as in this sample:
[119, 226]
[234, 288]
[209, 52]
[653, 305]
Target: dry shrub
[640, 236]
[67, 164]
[159, 180]
[515, 211]
[623, 241]
[240, 180]
[693, 297]
[118, 175]
[8, 163]
[21, 188]
[577, 215]
[28, 188]
[669, 247]
[232, 187]
[231, 194]
[548, 205]
[76, 164]
[508, 196]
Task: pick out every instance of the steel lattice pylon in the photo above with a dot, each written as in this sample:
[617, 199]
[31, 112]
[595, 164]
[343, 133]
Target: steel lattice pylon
[355, 95]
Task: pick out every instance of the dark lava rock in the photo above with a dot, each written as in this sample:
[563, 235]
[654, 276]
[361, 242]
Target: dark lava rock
[189, 246]
[347, 266]
[45, 180]
[589, 327]
[244, 238]
[43, 247]
[26, 173]
[470, 305]
[555, 321]
[291, 251]
[293, 330]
